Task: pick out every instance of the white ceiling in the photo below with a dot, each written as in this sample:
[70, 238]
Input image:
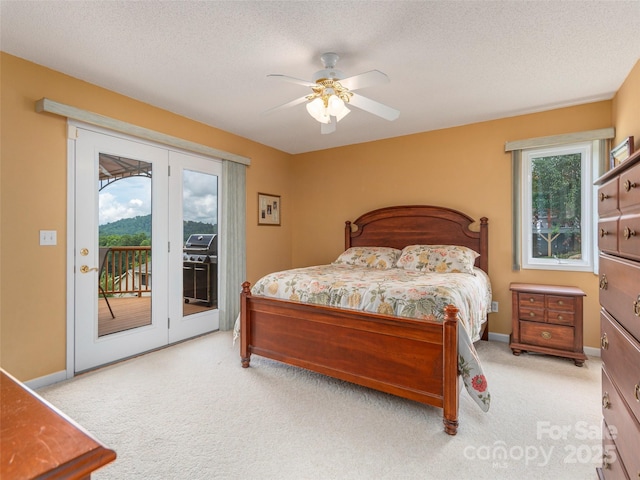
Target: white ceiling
[450, 62]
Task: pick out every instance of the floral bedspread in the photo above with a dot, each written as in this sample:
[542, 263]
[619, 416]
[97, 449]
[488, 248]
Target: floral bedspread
[399, 292]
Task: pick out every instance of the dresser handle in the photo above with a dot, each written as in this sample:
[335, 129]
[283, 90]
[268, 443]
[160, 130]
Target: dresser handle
[604, 342]
[636, 307]
[531, 299]
[603, 196]
[628, 233]
[606, 403]
[560, 317]
[604, 283]
[606, 461]
[532, 314]
[636, 392]
[628, 185]
[603, 233]
[546, 335]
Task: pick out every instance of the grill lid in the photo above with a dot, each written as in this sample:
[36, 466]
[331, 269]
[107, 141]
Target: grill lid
[202, 243]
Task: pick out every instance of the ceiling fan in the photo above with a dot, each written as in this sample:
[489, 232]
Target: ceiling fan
[331, 92]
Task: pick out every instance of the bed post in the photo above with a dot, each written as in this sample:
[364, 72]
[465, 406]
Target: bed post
[347, 234]
[451, 389]
[245, 333]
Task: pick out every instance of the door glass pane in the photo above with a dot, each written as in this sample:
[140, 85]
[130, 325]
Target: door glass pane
[556, 200]
[124, 232]
[200, 236]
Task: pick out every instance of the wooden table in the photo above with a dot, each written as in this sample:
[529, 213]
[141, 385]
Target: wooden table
[38, 441]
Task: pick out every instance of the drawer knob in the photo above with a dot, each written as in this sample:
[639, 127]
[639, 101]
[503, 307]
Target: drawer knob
[546, 335]
[603, 196]
[560, 317]
[604, 283]
[560, 302]
[606, 461]
[628, 185]
[636, 307]
[606, 403]
[531, 314]
[603, 232]
[604, 342]
[628, 233]
[532, 299]
[636, 392]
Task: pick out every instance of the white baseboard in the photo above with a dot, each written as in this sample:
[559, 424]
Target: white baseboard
[499, 337]
[47, 380]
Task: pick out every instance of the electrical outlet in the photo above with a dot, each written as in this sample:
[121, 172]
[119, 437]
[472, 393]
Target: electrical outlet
[494, 307]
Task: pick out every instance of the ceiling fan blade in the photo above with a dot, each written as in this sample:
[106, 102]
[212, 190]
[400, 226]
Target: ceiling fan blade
[374, 107]
[292, 103]
[326, 128]
[366, 79]
[287, 78]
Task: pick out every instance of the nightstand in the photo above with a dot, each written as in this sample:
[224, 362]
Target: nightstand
[547, 319]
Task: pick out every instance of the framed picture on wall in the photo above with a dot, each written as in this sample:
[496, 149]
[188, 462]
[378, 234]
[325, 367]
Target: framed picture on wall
[621, 152]
[268, 209]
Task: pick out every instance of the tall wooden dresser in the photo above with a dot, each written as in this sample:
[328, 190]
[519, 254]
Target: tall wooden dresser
[619, 277]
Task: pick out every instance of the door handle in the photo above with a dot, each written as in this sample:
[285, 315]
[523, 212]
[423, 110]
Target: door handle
[86, 269]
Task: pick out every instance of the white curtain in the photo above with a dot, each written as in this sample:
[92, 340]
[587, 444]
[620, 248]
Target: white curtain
[233, 243]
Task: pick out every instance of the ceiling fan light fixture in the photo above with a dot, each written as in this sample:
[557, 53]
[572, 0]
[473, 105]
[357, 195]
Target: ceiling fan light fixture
[335, 105]
[342, 113]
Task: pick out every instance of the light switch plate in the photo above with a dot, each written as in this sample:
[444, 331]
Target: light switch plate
[48, 237]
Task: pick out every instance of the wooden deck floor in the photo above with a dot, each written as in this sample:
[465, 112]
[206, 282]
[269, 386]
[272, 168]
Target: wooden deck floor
[131, 312]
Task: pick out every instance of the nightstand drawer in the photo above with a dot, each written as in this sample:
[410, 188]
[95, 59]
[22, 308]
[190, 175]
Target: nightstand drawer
[545, 335]
[531, 300]
[531, 314]
[557, 302]
[560, 317]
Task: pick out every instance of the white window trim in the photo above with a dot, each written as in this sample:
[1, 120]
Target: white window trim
[586, 264]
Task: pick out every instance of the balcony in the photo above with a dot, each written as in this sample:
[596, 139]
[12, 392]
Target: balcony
[126, 282]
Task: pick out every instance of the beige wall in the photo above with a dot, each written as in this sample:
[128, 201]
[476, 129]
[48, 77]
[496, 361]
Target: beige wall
[33, 197]
[320, 190]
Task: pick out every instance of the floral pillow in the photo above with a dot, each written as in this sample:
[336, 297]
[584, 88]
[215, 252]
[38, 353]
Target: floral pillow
[381, 258]
[438, 258]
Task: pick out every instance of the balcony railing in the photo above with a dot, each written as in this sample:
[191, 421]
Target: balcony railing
[127, 271]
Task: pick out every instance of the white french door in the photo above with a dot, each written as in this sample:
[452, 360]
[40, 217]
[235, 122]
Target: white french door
[195, 190]
[134, 301]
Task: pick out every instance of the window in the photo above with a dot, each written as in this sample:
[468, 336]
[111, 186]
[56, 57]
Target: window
[557, 219]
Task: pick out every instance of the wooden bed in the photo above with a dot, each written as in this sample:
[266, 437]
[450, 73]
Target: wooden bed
[414, 359]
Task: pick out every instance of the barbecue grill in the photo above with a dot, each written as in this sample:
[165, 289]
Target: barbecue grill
[200, 269]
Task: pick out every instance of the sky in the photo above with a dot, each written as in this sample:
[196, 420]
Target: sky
[131, 197]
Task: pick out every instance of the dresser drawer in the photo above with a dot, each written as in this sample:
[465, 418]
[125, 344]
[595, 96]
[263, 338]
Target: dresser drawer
[629, 235]
[629, 188]
[621, 357]
[621, 427]
[608, 198]
[546, 335]
[608, 234]
[620, 292]
[612, 466]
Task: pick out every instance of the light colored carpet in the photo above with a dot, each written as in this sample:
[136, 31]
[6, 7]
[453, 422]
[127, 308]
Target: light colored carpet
[191, 412]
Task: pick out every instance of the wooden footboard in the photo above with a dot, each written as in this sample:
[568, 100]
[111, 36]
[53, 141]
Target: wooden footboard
[409, 358]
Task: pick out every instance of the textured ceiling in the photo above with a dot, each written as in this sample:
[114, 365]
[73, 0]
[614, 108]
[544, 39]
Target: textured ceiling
[450, 62]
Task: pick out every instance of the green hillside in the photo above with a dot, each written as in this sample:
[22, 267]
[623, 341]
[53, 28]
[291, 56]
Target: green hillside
[137, 230]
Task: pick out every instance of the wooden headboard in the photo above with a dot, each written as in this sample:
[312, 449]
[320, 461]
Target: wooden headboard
[404, 225]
